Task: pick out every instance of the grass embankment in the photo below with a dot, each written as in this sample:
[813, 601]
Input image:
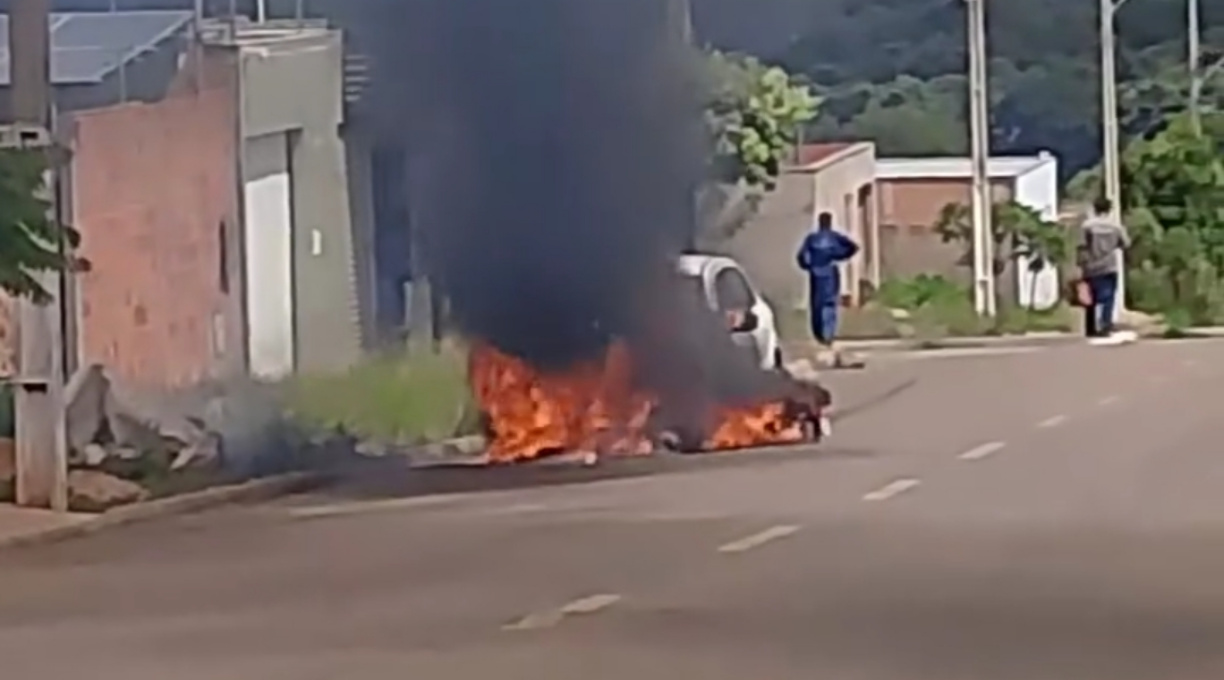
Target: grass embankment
[930, 308]
[408, 397]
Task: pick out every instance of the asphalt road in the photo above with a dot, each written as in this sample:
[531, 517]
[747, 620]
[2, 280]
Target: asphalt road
[1040, 515]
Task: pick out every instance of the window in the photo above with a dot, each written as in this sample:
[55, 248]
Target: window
[732, 292]
[223, 276]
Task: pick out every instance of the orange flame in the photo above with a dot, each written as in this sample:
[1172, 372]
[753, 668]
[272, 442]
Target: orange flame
[592, 407]
[595, 407]
[762, 425]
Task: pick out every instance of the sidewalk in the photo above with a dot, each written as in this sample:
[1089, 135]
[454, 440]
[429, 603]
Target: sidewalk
[915, 344]
[18, 523]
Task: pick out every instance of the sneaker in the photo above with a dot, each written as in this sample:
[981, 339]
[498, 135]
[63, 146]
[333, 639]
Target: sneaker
[1114, 339]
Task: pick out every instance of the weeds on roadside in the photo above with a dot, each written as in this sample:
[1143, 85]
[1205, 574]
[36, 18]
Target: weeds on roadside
[406, 397]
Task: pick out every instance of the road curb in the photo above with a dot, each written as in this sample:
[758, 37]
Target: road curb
[916, 345]
[252, 491]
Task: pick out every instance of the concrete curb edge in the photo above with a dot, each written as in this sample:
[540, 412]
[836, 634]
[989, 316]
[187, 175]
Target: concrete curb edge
[914, 345]
[262, 489]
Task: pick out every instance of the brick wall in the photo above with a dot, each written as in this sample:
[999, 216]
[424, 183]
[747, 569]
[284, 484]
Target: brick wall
[909, 209]
[152, 186]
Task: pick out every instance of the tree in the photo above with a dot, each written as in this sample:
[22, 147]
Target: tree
[754, 113]
[1174, 196]
[1044, 71]
[1020, 233]
[30, 242]
[905, 117]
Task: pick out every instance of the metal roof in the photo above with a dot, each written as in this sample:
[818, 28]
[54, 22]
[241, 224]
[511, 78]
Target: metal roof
[88, 46]
[959, 168]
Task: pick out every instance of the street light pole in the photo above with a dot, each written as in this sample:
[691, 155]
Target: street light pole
[1194, 58]
[979, 132]
[1111, 146]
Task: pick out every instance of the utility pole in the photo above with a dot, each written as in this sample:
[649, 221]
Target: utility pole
[1194, 60]
[1199, 75]
[678, 26]
[982, 199]
[1110, 157]
[686, 21]
[42, 461]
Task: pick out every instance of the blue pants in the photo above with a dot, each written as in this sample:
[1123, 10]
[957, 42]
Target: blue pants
[824, 320]
[1098, 317]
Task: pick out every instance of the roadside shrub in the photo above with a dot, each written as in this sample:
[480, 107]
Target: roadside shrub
[407, 397]
[921, 291]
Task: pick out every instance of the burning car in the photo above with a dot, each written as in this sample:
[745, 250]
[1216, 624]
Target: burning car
[717, 395]
[726, 289]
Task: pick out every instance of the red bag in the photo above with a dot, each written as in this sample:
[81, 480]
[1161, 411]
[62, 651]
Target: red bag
[1081, 293]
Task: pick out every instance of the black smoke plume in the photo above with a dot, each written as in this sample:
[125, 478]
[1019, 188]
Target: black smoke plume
[561, 141]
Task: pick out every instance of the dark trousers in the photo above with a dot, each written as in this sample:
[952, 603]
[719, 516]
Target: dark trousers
[823, 308]
[1098, 316]
[824, 322]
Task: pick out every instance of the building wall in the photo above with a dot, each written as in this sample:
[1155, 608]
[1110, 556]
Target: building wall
[908, 210]
[1038, 189]
[767, 245]
[291, 83]
[153, 193]
[837, 184]
[359, 168]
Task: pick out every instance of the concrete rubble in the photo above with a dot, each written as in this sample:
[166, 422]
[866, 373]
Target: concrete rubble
[126, 446]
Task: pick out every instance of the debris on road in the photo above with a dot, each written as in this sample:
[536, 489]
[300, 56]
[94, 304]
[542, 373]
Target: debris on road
[125, 446]
[94, 491]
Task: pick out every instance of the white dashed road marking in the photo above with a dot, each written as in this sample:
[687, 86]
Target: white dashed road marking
[891, 489]
[758, 539]
[972, 352]
[519, 509]
[579, 607]
[1053, 421]
[984, 451]
[1109, 401]
[364, 507]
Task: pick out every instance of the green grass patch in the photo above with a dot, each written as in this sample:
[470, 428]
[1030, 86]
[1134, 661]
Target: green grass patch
[409, 397]
[928, 309]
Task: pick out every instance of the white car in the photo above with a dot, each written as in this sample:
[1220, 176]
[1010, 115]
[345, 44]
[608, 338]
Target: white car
[728, 290]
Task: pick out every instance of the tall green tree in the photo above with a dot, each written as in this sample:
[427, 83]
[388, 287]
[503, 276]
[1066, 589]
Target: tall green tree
[30, 242]
[904, 117]
[755, 113]
[754, 116]
[1174, 189]
[1044, 71]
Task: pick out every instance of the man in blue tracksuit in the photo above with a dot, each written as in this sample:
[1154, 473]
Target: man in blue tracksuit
[821, 253]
